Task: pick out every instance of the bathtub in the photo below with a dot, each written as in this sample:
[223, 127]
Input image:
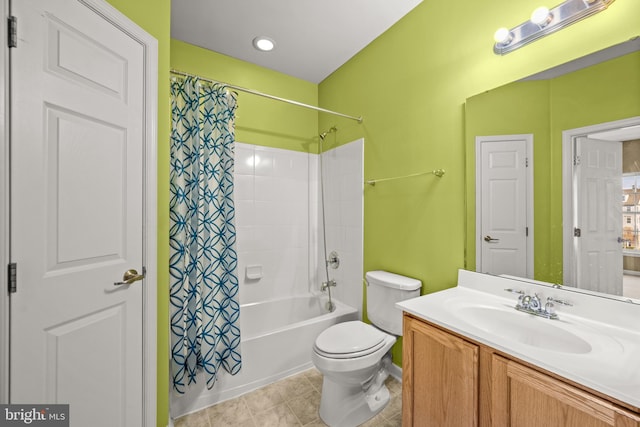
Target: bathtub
[276, 341]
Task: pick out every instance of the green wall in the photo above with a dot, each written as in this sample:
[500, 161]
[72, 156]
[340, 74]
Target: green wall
[410, 85]
[259, 121]
[601, 93]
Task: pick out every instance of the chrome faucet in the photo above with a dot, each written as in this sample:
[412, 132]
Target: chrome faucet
[325, 285]
[532, 304]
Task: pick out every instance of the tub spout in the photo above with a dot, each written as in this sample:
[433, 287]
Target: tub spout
[325, 285]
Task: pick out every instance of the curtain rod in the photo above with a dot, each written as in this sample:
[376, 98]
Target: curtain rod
[277, 98]
[438, 172]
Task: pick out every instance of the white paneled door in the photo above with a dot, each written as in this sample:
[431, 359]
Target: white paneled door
[77, 180]
[598, 215]
[504, 208]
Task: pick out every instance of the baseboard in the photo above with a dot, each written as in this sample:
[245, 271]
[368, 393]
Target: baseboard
[396, 372]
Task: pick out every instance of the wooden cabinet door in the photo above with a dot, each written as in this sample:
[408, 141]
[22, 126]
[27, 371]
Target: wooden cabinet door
[440, 378]
[523, 397]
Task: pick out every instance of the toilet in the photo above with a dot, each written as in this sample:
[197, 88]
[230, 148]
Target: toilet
[354, 357]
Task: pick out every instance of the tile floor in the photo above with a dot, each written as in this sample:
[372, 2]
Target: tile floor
[293, 401]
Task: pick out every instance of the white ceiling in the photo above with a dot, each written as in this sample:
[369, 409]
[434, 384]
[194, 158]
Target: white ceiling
[313, 37]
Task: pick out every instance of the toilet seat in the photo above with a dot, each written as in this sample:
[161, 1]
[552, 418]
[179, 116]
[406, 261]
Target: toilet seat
[349, 340]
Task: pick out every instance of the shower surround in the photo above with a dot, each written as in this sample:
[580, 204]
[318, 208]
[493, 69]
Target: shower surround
[281, 261]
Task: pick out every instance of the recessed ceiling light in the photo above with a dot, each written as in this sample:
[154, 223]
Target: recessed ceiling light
[264, 44]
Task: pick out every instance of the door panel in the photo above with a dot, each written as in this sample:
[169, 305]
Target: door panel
[82, 146]
[598, 179]
[77, 217]
[502, 205]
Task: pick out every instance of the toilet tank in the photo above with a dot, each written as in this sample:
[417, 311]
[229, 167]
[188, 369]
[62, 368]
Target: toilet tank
[384, 290]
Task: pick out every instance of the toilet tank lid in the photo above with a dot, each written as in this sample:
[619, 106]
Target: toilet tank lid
[392, 280]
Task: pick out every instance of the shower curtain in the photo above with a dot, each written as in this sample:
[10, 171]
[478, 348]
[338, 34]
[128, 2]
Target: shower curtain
[204, 311]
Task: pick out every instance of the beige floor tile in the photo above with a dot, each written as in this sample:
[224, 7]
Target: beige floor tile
[395, 421]
[294, 386]
[306, 406]
[264, 398]
[292, 402]
[278, 416]
[377, 421]
[315, 378]
[197, 419]
[237, 423]
[233, 412]
[393, 408]
[394, 386]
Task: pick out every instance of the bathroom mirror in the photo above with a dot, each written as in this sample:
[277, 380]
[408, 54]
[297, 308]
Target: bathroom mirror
[552, 108]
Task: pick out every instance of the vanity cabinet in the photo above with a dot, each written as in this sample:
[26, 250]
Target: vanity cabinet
[439, 377]
[451, 381]
[525, 397]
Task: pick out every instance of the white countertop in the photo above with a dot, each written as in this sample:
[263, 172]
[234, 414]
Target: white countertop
[611, 366]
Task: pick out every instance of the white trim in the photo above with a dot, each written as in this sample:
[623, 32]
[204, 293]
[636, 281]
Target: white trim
[528, 137]
[4, 207]
[396, 372]
[568, 217]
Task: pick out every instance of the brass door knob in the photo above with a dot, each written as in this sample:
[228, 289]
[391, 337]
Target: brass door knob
[131, 276]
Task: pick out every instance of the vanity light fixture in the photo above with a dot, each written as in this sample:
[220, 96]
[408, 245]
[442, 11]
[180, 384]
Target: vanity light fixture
[541, 17]
[546, 21]
[503, 36]
[264, 44]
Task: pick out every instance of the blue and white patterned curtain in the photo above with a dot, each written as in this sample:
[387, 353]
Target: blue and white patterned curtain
[205, 323]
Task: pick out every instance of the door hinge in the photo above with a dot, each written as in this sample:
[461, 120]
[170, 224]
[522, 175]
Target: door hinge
[13, 31]
[576, 161]
[576, 232]
[526, 162]
[12, 277]
[526, 231]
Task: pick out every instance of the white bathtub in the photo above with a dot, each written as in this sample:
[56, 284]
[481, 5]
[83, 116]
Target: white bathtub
[277, 337]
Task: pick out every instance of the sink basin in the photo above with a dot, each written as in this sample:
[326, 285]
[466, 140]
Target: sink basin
[523, 328]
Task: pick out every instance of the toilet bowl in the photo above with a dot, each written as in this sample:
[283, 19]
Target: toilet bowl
[353, 387]
[354, 356]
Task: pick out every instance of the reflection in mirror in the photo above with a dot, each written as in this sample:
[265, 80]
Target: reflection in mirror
[623, 298]
[592, 98]
[595, 162]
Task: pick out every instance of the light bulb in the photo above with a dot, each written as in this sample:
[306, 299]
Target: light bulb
[264, 44]
[541, 16]
[502, 36]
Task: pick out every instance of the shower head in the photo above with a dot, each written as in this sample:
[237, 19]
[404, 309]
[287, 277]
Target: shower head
[324, 134]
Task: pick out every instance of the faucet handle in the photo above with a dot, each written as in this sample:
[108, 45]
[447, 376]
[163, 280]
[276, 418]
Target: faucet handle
[514, 291]
[550, 310]
[534, 302]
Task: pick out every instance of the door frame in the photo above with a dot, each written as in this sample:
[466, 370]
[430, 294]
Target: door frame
[4, 205]
[568, 203]
[528, 137]
[150, 204]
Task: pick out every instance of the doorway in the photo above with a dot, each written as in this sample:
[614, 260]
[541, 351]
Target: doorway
[600, 207]
[84, 121]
